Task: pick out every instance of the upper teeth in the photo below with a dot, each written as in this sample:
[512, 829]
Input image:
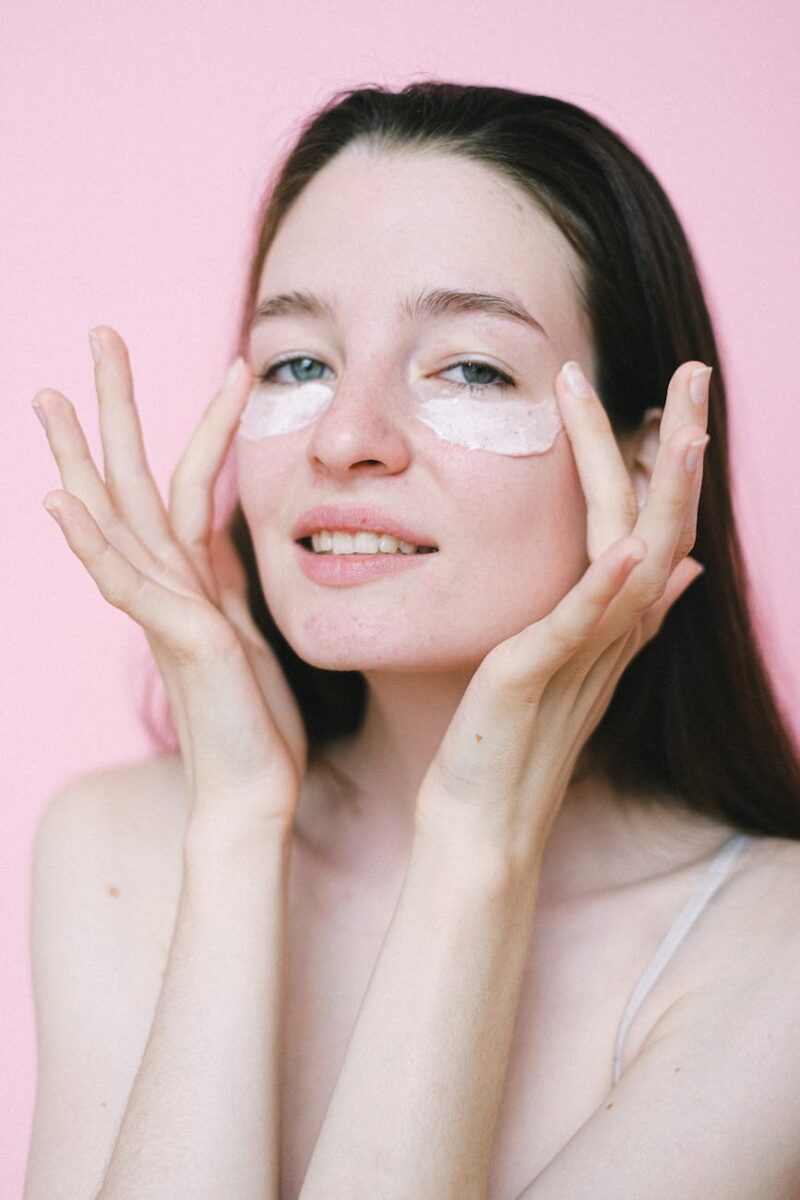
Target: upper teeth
[363, 542]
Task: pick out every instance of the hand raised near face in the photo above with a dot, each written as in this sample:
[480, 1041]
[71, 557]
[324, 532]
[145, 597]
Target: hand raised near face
[241, 735]
[505, 762]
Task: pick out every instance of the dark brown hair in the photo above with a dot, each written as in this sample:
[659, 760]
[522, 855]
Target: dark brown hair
[694, 716]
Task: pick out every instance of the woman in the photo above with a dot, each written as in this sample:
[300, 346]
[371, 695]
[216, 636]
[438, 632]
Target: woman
[476, 872]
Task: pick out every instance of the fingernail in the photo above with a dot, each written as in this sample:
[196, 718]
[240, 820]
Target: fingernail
[698, 385]
[51, 508]
[695, 450]
[577, 382]
[39, 414]
[94, 345]
[234, 371]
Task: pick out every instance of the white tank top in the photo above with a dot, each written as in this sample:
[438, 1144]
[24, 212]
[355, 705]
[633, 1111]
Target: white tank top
[711, 880]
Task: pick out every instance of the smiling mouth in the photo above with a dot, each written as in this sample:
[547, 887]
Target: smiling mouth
[362, 544]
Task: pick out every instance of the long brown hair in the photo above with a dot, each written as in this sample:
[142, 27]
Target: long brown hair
[694, 716]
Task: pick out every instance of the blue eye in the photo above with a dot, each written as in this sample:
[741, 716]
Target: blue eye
[268, 376]
[473, 388]
[478, 388]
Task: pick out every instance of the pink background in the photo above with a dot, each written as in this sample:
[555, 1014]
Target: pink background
[135, 140]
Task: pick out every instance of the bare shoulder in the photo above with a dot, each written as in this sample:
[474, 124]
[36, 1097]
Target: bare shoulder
[116, 835]
[105, 885]
[764, 895]
[762, 913]
[122, 801]
[107, 870]
[744, 959]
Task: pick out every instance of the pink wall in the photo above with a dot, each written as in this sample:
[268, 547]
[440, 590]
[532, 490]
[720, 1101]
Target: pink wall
[133, 152]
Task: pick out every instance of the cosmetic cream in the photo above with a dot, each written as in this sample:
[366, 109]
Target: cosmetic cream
[511, 426]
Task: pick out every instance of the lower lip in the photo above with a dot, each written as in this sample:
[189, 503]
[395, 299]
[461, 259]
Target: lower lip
[346, 570]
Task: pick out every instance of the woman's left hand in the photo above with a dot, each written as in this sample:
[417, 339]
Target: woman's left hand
[506, 760]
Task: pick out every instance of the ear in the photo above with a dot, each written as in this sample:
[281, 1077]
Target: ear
[639, 450]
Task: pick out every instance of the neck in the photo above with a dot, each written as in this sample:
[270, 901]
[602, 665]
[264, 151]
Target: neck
[356, 815]
[358, 810]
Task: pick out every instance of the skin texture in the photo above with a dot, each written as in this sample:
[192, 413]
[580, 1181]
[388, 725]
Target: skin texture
[487, 669]
[511, 532]
[368, 448]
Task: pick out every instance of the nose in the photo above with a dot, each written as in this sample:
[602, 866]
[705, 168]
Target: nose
[364, 430]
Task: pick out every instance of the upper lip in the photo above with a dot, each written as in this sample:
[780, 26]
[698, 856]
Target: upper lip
[351, 520]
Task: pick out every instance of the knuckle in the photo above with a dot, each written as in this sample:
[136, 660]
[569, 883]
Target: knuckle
[563, 636]
[204, 640]
[649, 589]
[684, 547]
[119, 592]
[508, 671]
[627, 506]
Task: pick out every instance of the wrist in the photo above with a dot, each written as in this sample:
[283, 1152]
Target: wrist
[473, 860]
[222, 832]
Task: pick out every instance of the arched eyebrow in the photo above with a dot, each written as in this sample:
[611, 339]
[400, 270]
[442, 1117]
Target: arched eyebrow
[437, 302]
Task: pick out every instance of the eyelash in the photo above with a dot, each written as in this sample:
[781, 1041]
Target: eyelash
[475, 390]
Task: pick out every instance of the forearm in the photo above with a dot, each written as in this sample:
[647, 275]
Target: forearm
[203, 1115]
[415, 1106]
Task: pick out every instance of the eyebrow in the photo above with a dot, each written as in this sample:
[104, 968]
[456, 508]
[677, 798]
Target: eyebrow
[437, 302]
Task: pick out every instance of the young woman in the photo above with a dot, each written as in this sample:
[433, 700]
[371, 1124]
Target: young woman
[474, 873]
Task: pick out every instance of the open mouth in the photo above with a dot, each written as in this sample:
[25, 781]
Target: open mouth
[361, 545]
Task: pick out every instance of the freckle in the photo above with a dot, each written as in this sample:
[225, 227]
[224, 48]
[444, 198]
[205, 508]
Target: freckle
[611, 1105]
[478, 737]
[677, 1068]
[112, 890]
[103, 1104]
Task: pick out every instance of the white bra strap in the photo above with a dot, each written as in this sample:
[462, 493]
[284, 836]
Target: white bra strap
[715, 874]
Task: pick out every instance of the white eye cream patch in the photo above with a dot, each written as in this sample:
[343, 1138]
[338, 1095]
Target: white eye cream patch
[512, 427]
[267, 415]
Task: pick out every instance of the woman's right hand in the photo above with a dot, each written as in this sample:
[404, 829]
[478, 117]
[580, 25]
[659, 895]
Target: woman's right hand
[241, 734]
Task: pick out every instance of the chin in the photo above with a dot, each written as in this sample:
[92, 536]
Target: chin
[357, 644]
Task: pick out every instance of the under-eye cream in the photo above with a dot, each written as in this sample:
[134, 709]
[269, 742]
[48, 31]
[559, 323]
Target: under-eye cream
[511, 426]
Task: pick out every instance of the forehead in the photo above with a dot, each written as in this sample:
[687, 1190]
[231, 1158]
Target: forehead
[374, 225]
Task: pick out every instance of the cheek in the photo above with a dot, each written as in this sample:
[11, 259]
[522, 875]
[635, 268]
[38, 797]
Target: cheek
[262, 469]
[533, 533]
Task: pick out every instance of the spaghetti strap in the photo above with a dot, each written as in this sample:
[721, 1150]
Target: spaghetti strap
[711, 880]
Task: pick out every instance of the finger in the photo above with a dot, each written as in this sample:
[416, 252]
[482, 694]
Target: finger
[611, 507]
[232, 582]
[599, 685]
[671, 503]
[682, 577]
[503, 697]
[128, 476]
[687, 404]
[191, 494]
[534, 655]
[687, 399]
[81, 478]
[688, 531]
[159, 610]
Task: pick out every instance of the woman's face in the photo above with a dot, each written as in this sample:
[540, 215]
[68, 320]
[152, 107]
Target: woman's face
[370, 233]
